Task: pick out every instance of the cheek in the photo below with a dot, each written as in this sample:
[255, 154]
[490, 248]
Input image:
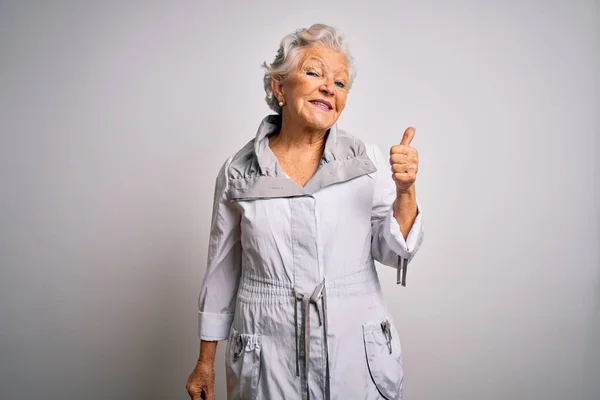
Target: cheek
[300, 86]
[300, 95]
[341, 103]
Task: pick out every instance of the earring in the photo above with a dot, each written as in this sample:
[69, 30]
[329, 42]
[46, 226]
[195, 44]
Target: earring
[280, 103]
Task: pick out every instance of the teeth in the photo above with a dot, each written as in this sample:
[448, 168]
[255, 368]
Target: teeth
[320, 103]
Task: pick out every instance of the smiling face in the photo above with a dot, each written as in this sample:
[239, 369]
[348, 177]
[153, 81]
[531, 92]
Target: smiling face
[315, 91]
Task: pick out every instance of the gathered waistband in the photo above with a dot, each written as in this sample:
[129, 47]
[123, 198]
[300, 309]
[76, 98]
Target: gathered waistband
[254, 289]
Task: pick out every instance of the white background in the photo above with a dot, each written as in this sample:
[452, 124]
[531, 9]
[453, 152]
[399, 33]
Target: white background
[115, 117]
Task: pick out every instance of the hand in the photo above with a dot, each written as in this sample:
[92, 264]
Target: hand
[405, 162]
[201, 382]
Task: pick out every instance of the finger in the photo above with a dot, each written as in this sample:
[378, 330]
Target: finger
[411, 158]
[399, 158]
[400, 168]
[404, 168]
[196, 396]
[400, 149]
[207, 393]
[403, 178]
[409, 134]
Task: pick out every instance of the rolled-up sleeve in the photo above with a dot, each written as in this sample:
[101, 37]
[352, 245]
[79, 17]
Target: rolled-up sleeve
[388, 245]
[216, 303]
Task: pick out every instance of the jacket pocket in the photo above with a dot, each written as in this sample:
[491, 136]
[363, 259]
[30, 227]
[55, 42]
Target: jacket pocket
[242, 365]
[384, 358]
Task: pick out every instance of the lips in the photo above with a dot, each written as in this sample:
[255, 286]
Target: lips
[322, 104]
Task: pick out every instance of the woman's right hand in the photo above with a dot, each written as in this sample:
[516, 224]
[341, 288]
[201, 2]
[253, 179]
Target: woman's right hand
[202, 380]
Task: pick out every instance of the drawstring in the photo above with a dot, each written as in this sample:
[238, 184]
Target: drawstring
[401, 270]
[318, 298]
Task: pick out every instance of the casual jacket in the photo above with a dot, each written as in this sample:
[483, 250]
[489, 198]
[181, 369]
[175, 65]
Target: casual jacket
[291, 281]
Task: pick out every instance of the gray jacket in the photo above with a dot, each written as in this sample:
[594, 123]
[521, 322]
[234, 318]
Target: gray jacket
[291, 281]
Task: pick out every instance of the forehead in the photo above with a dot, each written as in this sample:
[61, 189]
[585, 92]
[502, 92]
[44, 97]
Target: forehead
[332, 60]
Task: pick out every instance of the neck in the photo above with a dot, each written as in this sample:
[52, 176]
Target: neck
[298, 137]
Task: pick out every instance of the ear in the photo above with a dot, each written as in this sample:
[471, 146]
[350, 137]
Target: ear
[277, 86]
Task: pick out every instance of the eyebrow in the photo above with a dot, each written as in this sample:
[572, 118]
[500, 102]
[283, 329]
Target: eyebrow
[309, 60]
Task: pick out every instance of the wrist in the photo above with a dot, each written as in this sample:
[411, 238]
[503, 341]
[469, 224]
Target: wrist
[405, 200]
[405, 196]
[205, 363]
[208, 350]
[408, 192]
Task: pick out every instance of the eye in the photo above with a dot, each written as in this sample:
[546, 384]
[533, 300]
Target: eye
[312, 73]
[340, 84]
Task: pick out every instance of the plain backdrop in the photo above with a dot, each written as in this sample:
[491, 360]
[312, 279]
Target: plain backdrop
[115, 117]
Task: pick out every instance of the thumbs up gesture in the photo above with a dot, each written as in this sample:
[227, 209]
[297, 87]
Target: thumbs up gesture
[405, 162]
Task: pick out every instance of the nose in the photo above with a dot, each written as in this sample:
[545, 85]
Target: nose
[328, 87]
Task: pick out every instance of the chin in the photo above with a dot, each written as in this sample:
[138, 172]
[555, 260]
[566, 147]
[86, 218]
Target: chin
[320, 123]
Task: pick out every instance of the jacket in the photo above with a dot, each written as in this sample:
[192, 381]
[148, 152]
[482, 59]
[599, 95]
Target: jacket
[291, 282]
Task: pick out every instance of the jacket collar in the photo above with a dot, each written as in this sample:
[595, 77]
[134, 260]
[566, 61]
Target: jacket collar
[344, 158]
[267, 160]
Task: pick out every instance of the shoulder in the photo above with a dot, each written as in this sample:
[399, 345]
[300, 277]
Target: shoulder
[239, 163]
[243, 162]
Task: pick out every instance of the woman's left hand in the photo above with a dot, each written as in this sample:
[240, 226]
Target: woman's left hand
[405, 162]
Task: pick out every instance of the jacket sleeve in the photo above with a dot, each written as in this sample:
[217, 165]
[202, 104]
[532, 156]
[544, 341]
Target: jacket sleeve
[216, 303]
[388, 245]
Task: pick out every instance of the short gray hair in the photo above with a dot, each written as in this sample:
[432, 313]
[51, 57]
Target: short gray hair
[286, 57]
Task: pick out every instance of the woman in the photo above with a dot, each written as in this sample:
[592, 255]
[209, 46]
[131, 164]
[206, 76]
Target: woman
[300, 214]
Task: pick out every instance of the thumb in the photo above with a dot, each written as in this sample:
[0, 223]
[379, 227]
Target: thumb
[409, 134]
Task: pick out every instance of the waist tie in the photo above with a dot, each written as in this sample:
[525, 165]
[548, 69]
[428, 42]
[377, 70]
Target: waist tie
[319, 299]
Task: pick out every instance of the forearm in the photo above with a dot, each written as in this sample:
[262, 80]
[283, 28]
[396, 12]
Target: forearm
[405, 209]
[208, 350]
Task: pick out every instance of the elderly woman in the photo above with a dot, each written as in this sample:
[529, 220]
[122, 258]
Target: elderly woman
[300, 215]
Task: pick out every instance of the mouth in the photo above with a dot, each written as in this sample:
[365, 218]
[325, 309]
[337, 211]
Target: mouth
[322, 104]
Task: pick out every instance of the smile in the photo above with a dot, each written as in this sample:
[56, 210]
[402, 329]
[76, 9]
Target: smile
[321, 104]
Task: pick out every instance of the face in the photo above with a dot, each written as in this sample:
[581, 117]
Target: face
[315, 91]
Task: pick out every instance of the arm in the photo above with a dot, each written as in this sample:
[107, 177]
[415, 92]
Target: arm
[396, 219]
[404, 162]
[208, 349]
[405, 209]
[216, 303]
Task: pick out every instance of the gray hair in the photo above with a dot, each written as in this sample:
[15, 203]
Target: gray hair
[286, 57]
